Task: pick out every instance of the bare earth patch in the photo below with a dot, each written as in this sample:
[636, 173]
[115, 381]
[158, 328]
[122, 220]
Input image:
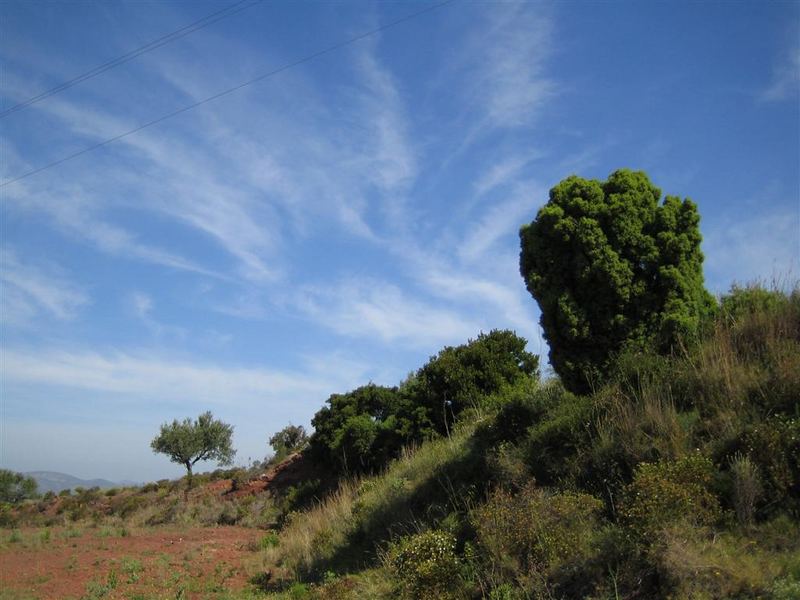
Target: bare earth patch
[62, 563]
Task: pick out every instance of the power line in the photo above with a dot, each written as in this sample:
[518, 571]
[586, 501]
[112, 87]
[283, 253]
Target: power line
[228, 91]
[128, 56]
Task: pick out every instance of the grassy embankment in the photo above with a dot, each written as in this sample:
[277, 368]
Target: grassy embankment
[680, 479]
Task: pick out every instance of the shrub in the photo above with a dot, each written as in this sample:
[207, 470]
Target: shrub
[527, 537]
[746, 488]
[239, 479]
[228, 515]
[558, 437]
[16, 487]
[362, 430]
[426, 565]
[774, 446]
[125, 506]
[669, 491]
[695, 565]
[525, 405]
[786, 589]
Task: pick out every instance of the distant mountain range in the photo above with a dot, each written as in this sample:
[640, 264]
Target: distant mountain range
[50, 481]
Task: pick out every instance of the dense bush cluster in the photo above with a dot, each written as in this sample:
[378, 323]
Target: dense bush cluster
[360, 431]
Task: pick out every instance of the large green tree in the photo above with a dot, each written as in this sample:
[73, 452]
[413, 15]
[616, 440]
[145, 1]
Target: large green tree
[187, 442]
[612, 267]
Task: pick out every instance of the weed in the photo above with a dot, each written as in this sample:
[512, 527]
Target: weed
[746, 488]
[268, 541]
[132, 568]
[72, 563]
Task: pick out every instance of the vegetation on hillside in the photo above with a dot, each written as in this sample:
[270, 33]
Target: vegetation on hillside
[679, 478]
[674, 475]
[362, 430]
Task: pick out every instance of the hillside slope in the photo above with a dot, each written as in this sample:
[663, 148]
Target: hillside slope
[679, 479]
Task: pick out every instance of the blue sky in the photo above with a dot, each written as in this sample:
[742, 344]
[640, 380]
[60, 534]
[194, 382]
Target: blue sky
[340, 222]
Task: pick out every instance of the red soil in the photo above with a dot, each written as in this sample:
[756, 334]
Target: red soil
[198, 560]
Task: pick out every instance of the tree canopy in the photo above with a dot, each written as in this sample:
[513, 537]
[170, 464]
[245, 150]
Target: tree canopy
[289, 439]
[187, 442]
[15, 487]
[613, 268]
[361, 430]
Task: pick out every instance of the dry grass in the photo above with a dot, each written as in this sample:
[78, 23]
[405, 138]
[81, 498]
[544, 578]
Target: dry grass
[701, 565]
[316, 535]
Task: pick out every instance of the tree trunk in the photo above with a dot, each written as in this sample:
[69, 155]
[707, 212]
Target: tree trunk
[188, 481]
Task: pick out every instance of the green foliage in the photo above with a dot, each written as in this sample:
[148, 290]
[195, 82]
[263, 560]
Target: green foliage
[357, 430]
[291, 438]
[745, 301]
[557, 438]
[465, 376]
[362, 430]
[667, 492]
[612, 268]
[187, 442]
[16, 487]
[695, 456]
[426, 565]
[774, 448]
[527, 537]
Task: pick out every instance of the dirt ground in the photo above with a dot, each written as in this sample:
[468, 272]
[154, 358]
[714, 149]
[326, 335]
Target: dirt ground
[158, 562]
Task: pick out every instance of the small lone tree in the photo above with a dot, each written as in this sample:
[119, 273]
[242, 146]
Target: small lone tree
[289, 439]
[187, 442]
[612, 268]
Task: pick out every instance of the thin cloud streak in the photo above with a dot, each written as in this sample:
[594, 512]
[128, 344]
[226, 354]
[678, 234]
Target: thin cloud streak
[377, 309]
[153, 379]
[785, 79]
[29, 290]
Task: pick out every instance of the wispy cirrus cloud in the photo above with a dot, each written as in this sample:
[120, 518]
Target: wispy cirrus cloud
[380, 310]
[143, 306]
[155, 378]
[764, 248]
[501, 221]
[503, 172]
[510, 75]
[32, 290]
[785, 82]
[246, 185]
